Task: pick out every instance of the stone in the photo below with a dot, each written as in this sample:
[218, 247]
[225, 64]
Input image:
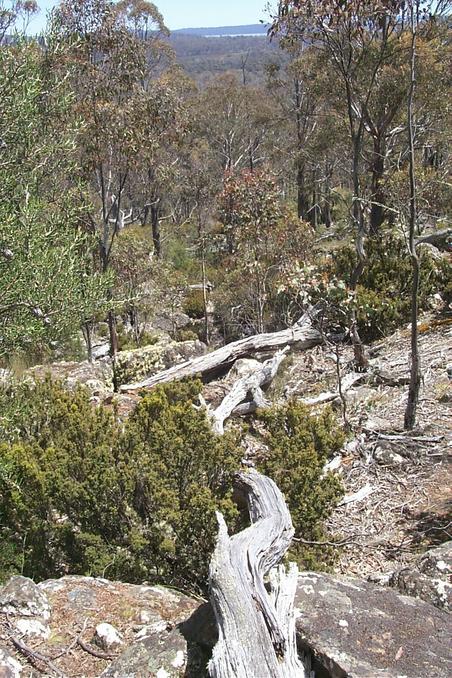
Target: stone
[433, 590]
[170, 323]
[22, 597]
[356, 629]
[97, 377]
[32, 627]
[132, 366]
[107, 637]
[437, 562]
[9, 666]
[429, 577]
[387, 457]
[101, 350]
[160, 654]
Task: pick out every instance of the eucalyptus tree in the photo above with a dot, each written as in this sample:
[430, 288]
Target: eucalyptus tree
[48, 286]
[235, 118]
[116, 49]
[357, 38]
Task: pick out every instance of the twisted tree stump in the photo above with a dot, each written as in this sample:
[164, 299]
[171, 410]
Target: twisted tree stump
[248, 388]
[255, 616]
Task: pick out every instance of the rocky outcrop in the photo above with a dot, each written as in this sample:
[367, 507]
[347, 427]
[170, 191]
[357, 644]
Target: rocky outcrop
[143, 362]
[97, 377]
[356, 629]
[9, 666]
[22, 597]
[429, 578]
[113, 629]
[345, 628]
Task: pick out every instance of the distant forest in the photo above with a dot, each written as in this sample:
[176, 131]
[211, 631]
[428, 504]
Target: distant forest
[206, 57]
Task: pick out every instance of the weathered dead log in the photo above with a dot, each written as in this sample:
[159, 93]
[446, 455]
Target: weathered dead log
[248, 387]
[255, 619]
[347, 383]
[442, 240]
[302, 334]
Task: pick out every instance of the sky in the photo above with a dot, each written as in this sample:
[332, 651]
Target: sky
[191, 13]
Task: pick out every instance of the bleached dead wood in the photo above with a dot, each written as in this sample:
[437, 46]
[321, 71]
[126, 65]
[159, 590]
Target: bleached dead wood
[248, 387]
[255, 621]
[442, 240]
[363, 493]
[347, 382]
[302, 334]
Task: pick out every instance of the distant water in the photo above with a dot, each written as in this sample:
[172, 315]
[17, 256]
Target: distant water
[236, 35]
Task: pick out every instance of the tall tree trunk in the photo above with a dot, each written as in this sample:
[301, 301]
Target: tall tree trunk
[113, 332]
[145, 215]
[326, 212]
[111, 318]
[88, 336]
[415, 376]
[302, 198]
[377, 212]
[313, 212]
[204, 296]
[358, 220]
[155, 223]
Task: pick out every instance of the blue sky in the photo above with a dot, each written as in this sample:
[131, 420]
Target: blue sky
[192, 13]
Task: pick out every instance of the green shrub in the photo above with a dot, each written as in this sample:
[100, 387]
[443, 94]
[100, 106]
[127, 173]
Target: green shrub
[383, 299]
[194, 304]
[80, 494]
[299, 444]
[186, 334]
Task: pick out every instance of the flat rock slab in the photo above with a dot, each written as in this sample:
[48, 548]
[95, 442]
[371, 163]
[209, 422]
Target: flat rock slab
[137, 622]
[358, 630]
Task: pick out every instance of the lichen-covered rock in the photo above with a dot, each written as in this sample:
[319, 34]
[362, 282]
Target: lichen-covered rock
[22, 597]
[97, 377]
[9, 666]
[169, 322]
[356, 629]
[132, 366]
[159, 654]
[32, 627]
[107, 637]
[429, 577]
[437, 562]
[433, 590]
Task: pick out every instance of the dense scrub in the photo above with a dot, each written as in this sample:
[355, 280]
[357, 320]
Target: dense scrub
[298, 446]
[80, 493]
[383, 298]
[383, 295]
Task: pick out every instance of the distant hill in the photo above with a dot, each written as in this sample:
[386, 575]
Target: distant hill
[221, 31]
[205, 57]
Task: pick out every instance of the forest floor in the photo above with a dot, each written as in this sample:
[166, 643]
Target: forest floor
[398, 485]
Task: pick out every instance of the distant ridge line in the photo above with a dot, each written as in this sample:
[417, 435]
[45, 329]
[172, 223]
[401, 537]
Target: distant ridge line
[223, 31]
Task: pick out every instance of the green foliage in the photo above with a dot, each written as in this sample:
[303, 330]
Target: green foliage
[299, 444]
[48, 285]
[383, 300]
[265, 241]
[194, 304]
[80, 494]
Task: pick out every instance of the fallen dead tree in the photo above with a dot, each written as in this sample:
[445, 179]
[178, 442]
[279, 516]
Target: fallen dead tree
[255, 619]
[249, 388]
[347, 383]
[302, 334]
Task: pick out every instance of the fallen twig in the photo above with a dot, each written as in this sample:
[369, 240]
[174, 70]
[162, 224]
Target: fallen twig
[34, 655]
[93, 652]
